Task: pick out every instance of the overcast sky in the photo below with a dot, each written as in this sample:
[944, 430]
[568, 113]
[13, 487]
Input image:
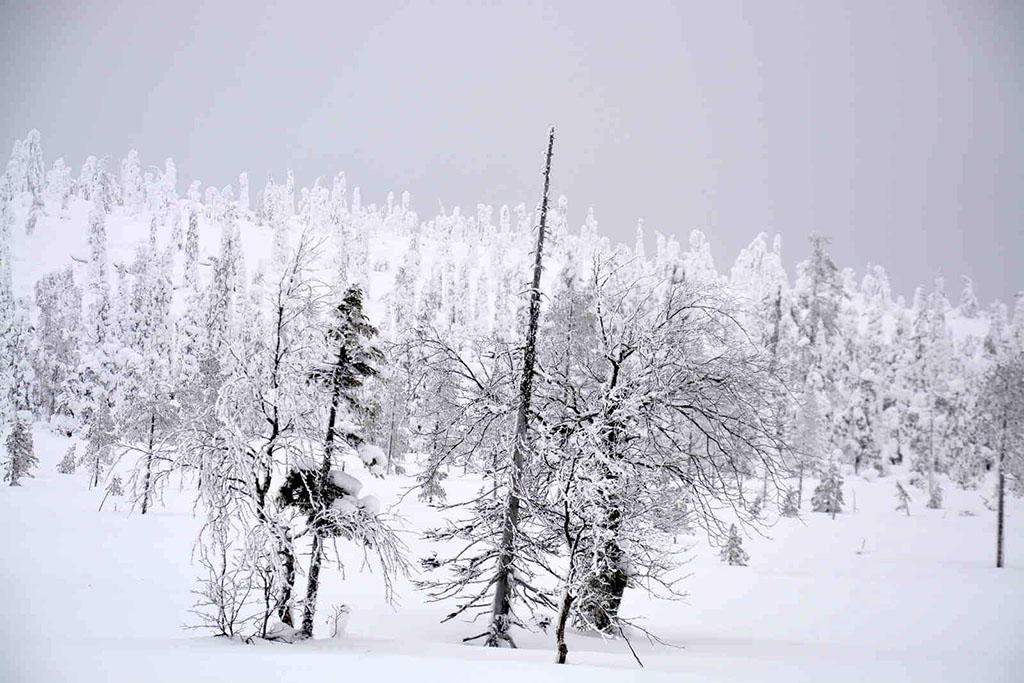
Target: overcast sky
[893, 127]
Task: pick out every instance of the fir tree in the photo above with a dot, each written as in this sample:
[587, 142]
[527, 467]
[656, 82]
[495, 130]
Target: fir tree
[790, 503]
[934, 496]
[732, 552]
[321, 493]
[828, 495]
[902, 499]
[67, 463]
[20, 457]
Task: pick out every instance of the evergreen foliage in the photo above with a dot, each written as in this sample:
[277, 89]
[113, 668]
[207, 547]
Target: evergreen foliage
[828, 495]
[732, 552]
[21, 458]
[902, 499]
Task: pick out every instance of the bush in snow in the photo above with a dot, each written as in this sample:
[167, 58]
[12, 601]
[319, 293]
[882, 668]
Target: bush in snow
[790, 503]
[934, 497]
[902, 499]
[114, 488]
[67, 463]
[733, 552]
[338, 620]
[828, 496]
[20, 456]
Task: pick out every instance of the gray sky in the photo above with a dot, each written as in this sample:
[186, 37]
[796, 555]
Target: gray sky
[893, 127]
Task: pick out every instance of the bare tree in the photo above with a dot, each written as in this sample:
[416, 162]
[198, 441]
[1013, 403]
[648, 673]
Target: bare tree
[503, 584]
[1001, 412]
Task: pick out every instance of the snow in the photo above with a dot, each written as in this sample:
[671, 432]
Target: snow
[346, 482]
[371, 504]
[872, 595]
[371, 455]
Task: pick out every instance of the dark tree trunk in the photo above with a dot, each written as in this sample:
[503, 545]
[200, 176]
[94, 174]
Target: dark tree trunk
[284, 612]
[1001, 494]
[563, 618]
[499, 628]
[316, 556]
[312, 587]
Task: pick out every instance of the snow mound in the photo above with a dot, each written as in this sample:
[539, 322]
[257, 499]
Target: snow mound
[346, 482]
[371, 455]
[370, 505]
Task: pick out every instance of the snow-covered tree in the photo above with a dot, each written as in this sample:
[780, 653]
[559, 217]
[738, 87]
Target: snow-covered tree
[1001, 414]
[68, 462]
[732, 552]
[34, 179]
[828, 495]
[325, 493]
[21, 458]
[58, 344]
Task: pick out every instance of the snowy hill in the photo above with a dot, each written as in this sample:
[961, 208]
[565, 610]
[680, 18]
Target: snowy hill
[212, 362]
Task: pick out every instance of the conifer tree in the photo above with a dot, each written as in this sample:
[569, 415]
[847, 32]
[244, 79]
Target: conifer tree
[21, 458]
[34, 179]
[732, 552]
[351, 360]
[828, 495]
[902, 499]
[790, 503]
[67, 463]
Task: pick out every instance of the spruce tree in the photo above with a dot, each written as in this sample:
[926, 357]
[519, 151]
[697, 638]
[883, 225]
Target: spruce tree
[828, 495]
[67, 463]
[732, 552]
[20, 457]
[902, 499]
[790, 503]
[353, 360]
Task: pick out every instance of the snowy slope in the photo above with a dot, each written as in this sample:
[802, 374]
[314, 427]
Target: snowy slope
[871, 595]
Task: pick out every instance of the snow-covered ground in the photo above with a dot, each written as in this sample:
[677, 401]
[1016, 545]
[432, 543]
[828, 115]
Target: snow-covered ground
[873, 595]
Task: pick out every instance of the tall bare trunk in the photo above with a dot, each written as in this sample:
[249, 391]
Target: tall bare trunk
[1001, 494]
[499, 629]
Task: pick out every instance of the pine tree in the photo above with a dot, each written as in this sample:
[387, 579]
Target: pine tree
[828, 495]
[934, 496]
[732, 552]
[20, 456]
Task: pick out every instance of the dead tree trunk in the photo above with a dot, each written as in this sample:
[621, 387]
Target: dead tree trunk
[1001, 494]
[499, 628]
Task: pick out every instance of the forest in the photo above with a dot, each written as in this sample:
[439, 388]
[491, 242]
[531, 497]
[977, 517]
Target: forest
[270, 352]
